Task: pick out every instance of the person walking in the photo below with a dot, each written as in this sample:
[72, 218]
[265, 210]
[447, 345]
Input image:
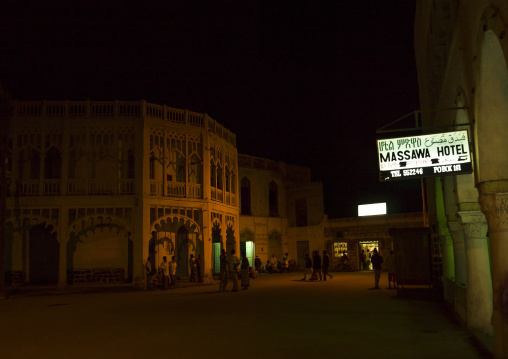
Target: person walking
[165, 273]
[307, 271]
[316, 266]
[326, 265]
[245, 271]
[390, 267]
[376, 261]
[223, 277]
[172, 272]
[234, 263]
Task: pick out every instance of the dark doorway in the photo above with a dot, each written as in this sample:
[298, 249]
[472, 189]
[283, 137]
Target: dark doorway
[182, 243]
[302, 248]
[43, 255]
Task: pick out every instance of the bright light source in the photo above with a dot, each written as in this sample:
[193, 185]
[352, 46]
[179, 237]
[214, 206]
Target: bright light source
[371, 209]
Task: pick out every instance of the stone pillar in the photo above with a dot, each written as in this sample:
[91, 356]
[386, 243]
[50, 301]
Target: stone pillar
[459, 252]
[447, 254]
[495, 207]
[479, 281]
[448, 264]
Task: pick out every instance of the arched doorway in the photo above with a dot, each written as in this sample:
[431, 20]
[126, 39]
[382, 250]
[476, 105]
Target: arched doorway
[216, 247]
[43, 255]
[182, 245]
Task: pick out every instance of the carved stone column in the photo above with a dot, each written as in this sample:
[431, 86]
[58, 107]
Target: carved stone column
[447, 254]
[459, 252]
[495, 208]
[448, 264]
[479, 281]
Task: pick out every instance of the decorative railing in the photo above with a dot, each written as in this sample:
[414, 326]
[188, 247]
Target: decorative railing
[84, 187]
[120, 108]
[51, 187]
[175, 189]
[194, 190]
[29, 187]
[126, 186]
[230, 199]
[155, 188]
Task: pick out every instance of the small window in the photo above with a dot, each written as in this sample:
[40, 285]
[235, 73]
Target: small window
[339, 249]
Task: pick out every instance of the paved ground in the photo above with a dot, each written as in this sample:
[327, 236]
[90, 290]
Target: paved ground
[278, 317]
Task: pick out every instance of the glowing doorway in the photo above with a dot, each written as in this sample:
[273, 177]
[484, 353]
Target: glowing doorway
[368, 248]
[248, 248]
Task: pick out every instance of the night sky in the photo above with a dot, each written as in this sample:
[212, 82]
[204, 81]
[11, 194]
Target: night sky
[307, 83]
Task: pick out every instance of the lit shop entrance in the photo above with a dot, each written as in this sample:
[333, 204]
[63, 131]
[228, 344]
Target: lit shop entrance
[367, 248]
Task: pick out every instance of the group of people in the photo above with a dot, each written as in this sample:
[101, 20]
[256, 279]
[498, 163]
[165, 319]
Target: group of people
[232, 267]
[317, 266]
[273, 265]
[377, 261]
[167, 272]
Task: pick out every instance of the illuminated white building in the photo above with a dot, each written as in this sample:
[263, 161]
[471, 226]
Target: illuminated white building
[461, 54]
[94, 188]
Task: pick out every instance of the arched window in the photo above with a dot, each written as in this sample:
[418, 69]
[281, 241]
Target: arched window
[213, 174]
[219, 176]
[245, 196]
[53, 164]
[273, 199]
[228, 180]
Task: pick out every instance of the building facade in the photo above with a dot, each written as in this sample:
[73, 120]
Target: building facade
[95, 188]
[461, 55]
[280, 208]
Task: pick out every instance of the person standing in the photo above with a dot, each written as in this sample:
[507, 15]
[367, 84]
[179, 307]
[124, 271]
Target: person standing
[326, 265]
[165, 273]
[257, 264]
[390, 267]
[308, 267]
[362, 260]
[148, 272]
[316, 266]
[288, 259]
[192, 267]
[376, 261]
[234, 263]
[273, 264]
[172, 272]
[245, 271]
[223, 277]
[197, 262]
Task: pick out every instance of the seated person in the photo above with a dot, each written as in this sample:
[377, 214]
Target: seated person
[252, 273]
[257, 264]
[268, 266]
[344, 258]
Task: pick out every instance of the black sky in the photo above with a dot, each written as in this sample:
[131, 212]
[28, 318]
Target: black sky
[307, 83]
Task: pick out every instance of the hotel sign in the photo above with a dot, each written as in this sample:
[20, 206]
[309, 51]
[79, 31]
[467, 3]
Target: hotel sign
[439, 154]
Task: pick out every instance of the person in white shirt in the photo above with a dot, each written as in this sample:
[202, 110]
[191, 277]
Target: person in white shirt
[165, 273]
[172, 272]
[273, 264]
[390, 266]
[234, 263]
